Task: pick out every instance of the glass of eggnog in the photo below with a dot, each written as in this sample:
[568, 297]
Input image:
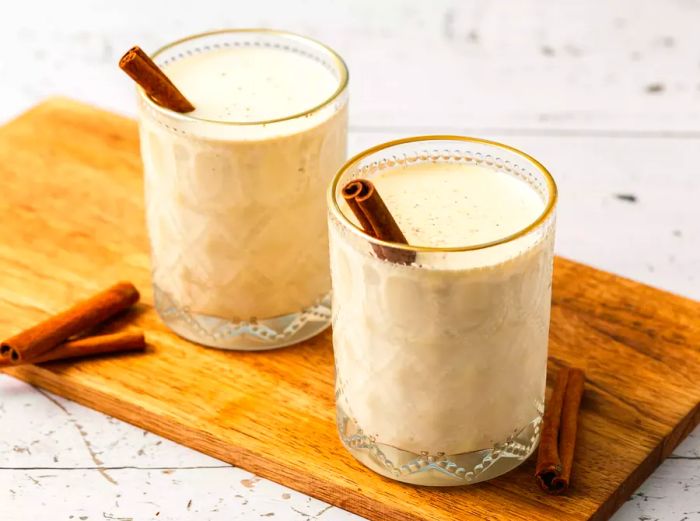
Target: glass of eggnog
[235, 204]
[441, 353]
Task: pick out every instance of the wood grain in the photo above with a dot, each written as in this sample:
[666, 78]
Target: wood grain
[72, 223]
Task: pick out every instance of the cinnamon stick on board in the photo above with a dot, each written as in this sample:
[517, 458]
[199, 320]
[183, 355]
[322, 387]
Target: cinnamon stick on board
[558, 438]
[376, 220]
[153, 81]
[92, 345]
[37, 340]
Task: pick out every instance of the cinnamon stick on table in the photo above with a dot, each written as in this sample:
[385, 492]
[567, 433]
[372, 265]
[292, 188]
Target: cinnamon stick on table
[558, 437]
[376, 220]
[88, 346]
[153, 81]
[37, 340]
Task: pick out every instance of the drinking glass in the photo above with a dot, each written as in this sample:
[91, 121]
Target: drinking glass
[441, 363]
[236, 209]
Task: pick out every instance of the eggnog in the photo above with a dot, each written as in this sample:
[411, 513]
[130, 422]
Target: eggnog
[234, 190]
[441, 364]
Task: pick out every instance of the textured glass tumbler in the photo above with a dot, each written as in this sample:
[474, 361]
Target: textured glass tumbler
[441, 364]
[236, 210]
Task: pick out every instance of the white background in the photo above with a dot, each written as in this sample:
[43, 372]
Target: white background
[606, 94]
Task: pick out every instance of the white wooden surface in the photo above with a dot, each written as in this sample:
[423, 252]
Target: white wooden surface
[607, 94]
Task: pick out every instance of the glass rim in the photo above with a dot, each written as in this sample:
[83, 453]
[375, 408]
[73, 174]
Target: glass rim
[186, 117]
[338, 213]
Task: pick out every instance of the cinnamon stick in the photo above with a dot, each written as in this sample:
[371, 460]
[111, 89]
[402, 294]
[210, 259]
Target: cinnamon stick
[88, 346]
[376, 220]
[153, 81]
[37, 340]
[350, 193]
[558, 438]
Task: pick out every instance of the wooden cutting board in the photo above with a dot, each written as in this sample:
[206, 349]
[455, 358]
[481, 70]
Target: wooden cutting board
[72, 223]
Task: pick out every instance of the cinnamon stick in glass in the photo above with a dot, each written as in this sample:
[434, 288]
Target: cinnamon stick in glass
[87, 346]
[46, 335]
[376, 220]
[139, 66]
[558, 437]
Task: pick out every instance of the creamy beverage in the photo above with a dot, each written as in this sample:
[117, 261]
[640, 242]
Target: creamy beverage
[441, 364]
[235, 189]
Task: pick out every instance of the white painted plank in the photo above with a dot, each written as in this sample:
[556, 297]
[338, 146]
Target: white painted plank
[143, 493]
[671, 493]
[627, 65]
